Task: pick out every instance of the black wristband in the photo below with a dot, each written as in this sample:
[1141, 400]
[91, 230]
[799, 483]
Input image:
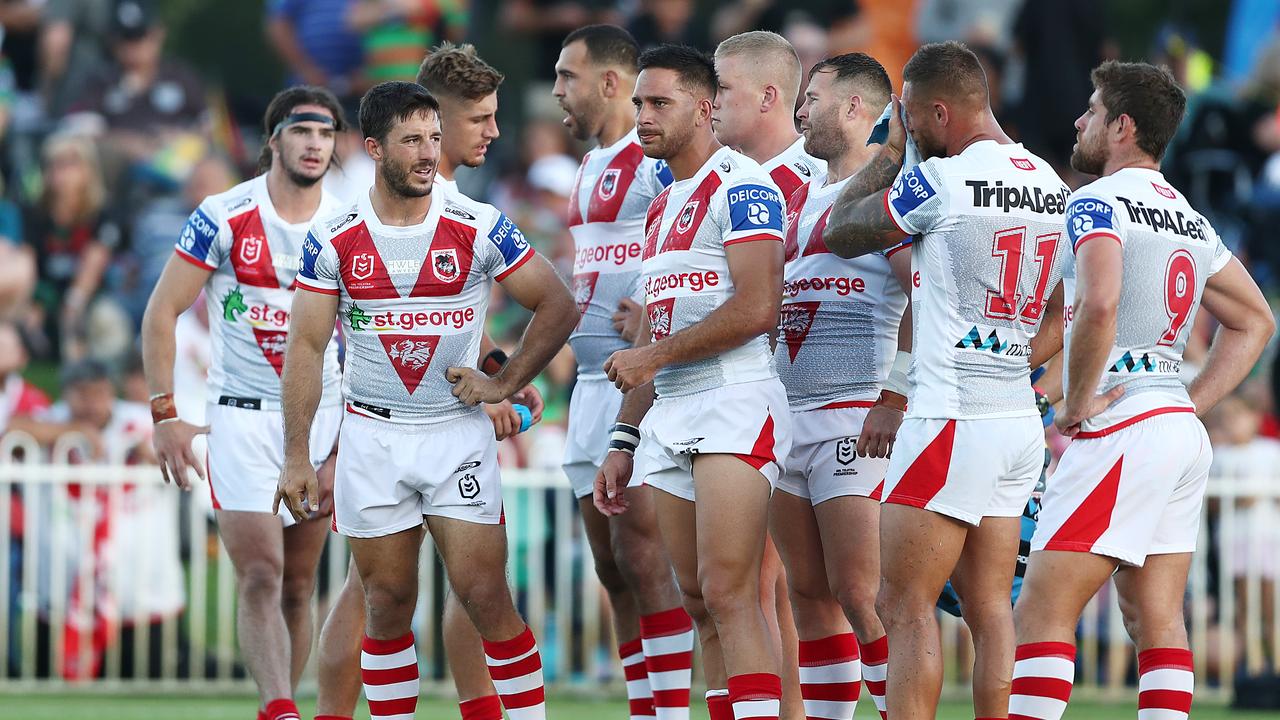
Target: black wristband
[625, 438]
[493, 362]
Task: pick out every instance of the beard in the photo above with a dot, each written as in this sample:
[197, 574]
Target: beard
[824, 140]
[1087, 160]
[927, 147]
[396, 175]
[583, 126]
[299, 177]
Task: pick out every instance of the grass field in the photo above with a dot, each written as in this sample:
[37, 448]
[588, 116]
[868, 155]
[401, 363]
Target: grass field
[236, 707]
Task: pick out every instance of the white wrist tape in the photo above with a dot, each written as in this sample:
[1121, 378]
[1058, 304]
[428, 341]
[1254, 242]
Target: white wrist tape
[897, 381]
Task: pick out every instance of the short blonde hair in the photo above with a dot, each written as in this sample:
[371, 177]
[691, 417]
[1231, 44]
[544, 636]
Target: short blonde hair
[774, 57]
[94, 195]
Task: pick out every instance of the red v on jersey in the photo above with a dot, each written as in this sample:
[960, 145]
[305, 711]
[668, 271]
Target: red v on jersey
[690, 217]
[575, 212]
[272, 344]
[797, 319]
[653, 223]
[250, 255]
[795, 206]
[448, 261]
[611, 187]
[816, 245]
[363, 272]
[410, 355]
[786, 179]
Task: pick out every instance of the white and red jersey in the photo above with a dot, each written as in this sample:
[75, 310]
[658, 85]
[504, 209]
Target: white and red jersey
[794, 167]
[253, 255]
[991, 253]
[412, 299]
[607, 209]
[836, 313]
[1169, 253]
[686, 270]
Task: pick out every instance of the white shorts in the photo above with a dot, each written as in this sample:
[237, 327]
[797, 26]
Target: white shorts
[390, 475]
[1134, 492]
[246, 455]
[824, 462]
[593, 409]
[966, 469]
[750, 420]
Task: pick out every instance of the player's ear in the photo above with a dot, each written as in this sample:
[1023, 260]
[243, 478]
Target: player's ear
[852, 106]
[770, 97]
[610, 83]
[374, 148]
[704, 112]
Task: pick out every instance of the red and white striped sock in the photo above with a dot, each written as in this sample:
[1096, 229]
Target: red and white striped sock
[516, 669]
[333, 717]
[1042, 676]
[281, 709]
[830, 677]
[667, 639]
[755, 696]
[875, 670]
[1166, 681]
[486, 707]
[389, 671]
[718, 705]
[639, 694]
[262, 714]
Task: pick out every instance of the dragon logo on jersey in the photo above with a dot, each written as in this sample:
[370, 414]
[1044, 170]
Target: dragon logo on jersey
[250, 250]
[797, 319]
[272, 344]
[362, 266]
[609, 183]
[660, 317]
[444, 264]
[233, 304]
[357, 317]
[685, 220]
[410, 355]
[584, 288]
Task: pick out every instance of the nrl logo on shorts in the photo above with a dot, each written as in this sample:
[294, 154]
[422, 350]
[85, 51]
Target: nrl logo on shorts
[362, 266]
[685, 221]
[468, 486]
[444, 264]
[412, 354]
[609, 183]
[847, 450]
[250, 250]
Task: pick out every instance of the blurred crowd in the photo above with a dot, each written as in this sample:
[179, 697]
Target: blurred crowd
[113, 128]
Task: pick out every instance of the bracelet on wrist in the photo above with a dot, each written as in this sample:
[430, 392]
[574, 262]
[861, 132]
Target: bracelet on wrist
[891, 399]
[162, 408]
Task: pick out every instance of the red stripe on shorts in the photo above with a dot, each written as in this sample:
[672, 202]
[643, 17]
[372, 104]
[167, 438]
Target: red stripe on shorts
[1092, 518]
[928, 472]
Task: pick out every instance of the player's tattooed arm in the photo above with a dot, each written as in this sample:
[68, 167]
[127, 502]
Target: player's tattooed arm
[860, 223]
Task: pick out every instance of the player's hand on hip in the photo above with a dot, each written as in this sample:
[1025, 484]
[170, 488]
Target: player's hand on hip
[530, 397]
[473, 387]
[631, 368]
[172, 442]
[1070, 419]
[325, 476]
[609, 492]
[627, 319]
[506, 422]
[879, 430]
[299, 490]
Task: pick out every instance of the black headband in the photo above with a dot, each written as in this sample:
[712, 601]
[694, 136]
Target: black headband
[296, 118]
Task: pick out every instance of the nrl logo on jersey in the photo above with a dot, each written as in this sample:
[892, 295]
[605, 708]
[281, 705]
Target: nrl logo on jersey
[250, 250]
[444, 264]
[685, 220]
[609, 183]
[339, 225]
[362, 266]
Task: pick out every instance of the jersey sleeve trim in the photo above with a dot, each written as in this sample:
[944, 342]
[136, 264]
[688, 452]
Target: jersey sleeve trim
[1094, 235]
[191, 259]
[304, 284]
[898, 248]
[893, 216]
[752, 238]
[528, 254]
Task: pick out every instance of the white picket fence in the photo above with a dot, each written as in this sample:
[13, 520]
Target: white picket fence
[115, 581]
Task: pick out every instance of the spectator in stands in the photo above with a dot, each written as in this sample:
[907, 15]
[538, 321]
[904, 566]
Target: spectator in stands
[1249, 524]
[669, 21]
[72, 48]
[73, 238]
[546, 22]
[150, 108]
[395, 32]
[840, 17]
[315, 43]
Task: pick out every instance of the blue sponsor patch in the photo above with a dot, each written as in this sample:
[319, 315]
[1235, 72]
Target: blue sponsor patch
[508, 239]
[755, 207]
[663, 172]
[310, 252]
[197, 235]
[911, 191]
[1086, 215]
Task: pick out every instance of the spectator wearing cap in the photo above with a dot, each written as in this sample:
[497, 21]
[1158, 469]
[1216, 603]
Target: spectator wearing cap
[146, 104]
[314, 41]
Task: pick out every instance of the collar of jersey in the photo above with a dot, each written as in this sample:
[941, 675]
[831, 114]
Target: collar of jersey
[376, 225]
